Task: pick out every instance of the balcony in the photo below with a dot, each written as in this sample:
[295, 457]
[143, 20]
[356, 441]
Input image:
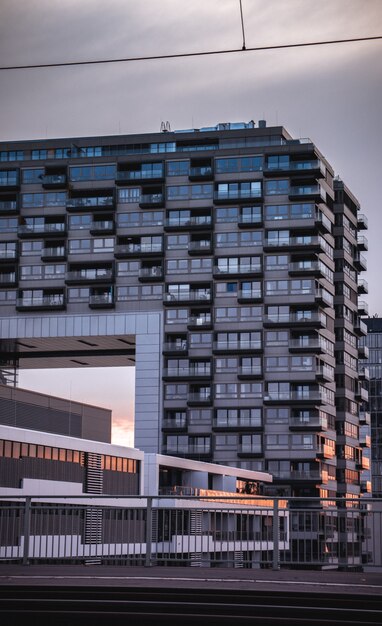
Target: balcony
[247, 372]
[42, 230]
[195, 222]
[199, 398]
[7, 255]
[102, 227]
[363, 352]
[203, 372]
[227, 347]
[365, 486]
[363, 286]
[51, 302]
[189, 451]
[91, 275]
[54, 181]
[308, 422]
[9, 207]
[237, 270]
[200, 322]
[363, 243]
[177, 424]
[239, 423]
[313, 319]
[101, 301]
[193, 296]
[280, 397]
[131, 177]
[8, 279]
[239, 195]
[309, 192]
[363, 308]
[301, 476]
[306, 344]
[150, 274]
[249, 295]
[360, 328]
[250, 219]
[138, 249]
[323, 297]
[302, 243]
[201, 173]
[248, 450]
[362, 221]
[92, 203]
[176, 348]
[306, 268]
[152, 200]
[203, 246]
[362, 394]
[363, 463]
[9, 180]
[363, 372]
[365, 441]
[53, 253]
[364, 418]
[314, 167]
[360, 262]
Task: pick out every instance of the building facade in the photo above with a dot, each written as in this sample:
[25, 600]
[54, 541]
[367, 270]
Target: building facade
[224, 264]
[373, 365]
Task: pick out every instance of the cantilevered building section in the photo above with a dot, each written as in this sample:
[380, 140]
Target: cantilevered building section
[222, 262]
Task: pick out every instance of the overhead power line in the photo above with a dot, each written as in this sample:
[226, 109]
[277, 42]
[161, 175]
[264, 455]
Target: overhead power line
[183, 55]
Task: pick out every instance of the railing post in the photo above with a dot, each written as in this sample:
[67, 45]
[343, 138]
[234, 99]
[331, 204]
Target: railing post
[27, 520]
[276, 535]
[149, 523]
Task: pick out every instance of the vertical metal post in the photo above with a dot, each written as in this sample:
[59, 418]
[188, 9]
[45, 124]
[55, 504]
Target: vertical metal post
[149, 522]
[27, 520]
[276, 536]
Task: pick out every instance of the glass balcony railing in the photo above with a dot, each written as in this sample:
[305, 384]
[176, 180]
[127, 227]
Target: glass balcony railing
[139, 248]
[8, 205]
[197, 220]
[188, 296]
[104, 201]
[137, 175]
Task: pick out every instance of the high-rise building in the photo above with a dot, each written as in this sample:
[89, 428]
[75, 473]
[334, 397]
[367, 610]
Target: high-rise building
[223, 263]
[373, 366]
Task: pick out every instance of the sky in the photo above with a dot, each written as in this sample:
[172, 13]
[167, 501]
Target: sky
[331, 94]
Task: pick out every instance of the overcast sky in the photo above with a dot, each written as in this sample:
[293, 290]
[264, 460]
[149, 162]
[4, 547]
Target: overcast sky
[331, 94]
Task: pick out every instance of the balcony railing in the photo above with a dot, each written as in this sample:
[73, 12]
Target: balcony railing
[101, 299]
[199, 321]
[37, 229]
[151, 199]
[235, 345]
[197, 220]
[85, 203]
[139, 248]
[49, 301]
[188, 372]
[8, 205]
[53, 180]
[308, 421]
[307, 191]
[254, 268]
[188, 296]
[137, 175]
[89, 275]
[240, 194]
[151, 273]
[277, 396]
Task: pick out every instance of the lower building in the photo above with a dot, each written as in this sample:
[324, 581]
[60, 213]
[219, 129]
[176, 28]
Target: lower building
[65, 499]
[37, 411]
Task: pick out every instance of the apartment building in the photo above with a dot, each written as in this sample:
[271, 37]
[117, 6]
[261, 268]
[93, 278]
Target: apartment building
[224, 264]
[372, 365]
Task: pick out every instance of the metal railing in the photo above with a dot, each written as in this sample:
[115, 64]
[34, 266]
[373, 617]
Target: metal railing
[189, 527]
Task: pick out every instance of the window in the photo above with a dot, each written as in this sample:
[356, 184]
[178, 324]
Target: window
[76, 294]
[32, 176]
[125, 294]
[31, 248]
[30, 200]
[251, 444]
[178, 168]
[227, 191]
[80, 222]
[227, 215]
[277, 187]
[243, 164]
[128, 268]
[129, 195]
[277, 262]
[176, 316]
[177, 242]
[92, 172]
[276, 338]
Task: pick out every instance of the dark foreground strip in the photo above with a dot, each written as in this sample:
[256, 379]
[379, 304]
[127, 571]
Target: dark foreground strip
[72, 606]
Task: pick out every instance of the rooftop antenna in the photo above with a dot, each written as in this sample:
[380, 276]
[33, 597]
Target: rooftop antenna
[165, 127]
